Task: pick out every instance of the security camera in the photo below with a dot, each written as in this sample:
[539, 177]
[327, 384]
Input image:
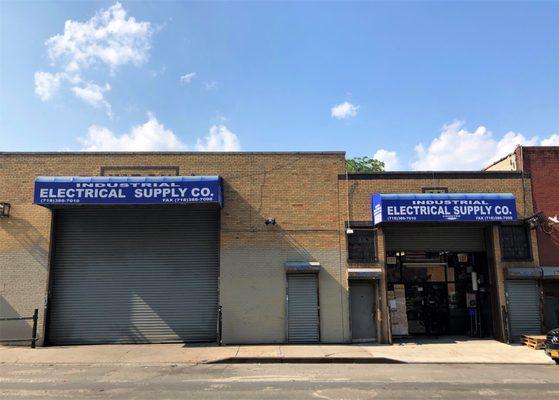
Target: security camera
[539, 220]
[532, 222]
[270, 221]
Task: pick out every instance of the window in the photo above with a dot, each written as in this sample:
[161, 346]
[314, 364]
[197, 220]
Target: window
[361, 246]
[434, 190]
[515, 244]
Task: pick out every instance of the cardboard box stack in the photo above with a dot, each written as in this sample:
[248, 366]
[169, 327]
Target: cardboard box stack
[398, 315]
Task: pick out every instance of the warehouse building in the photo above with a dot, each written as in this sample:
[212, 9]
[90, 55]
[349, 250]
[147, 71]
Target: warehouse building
[256, 248]
[165, 247]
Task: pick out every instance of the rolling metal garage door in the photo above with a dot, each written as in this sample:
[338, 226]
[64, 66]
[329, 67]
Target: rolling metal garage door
[523, 298]
[302, 301]
[126, 275]
[434, 238]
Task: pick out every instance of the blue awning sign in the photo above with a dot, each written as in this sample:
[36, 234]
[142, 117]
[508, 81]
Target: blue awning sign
[469, 207]
[74, 190]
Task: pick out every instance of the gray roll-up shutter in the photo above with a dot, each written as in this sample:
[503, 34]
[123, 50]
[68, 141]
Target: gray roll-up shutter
[434, 238]
[134, 275]
[523, 298]
[302, 313]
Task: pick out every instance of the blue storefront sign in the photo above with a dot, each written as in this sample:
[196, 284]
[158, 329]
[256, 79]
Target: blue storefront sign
[468, 207]
[74, 190]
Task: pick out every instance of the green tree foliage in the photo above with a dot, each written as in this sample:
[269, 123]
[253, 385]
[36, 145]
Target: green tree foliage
[364, 165]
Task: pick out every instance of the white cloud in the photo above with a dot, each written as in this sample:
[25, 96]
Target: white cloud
[212, 85]
[93, 95]
[553, 140]
[154, 136]
[389, 158]
[187, 78]
[47, 84]
[508, 143]
[456, 148]
[158, 72]
[219, 138]
[109, 37]
[344, 110]
[151, 136]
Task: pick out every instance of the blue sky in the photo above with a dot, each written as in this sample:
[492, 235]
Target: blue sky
[421, 85]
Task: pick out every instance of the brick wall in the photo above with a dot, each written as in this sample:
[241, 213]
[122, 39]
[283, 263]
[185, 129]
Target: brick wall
[302, 191]
[542, 163]
[299, 190]
[360, 191]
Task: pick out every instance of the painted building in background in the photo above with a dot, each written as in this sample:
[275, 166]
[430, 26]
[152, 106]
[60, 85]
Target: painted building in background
[541, 163]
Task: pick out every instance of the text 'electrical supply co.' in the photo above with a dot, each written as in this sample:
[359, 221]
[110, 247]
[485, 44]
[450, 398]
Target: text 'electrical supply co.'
[126, 192]
[443, 207]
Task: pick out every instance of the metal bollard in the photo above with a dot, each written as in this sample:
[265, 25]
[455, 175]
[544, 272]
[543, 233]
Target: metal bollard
[34, 332]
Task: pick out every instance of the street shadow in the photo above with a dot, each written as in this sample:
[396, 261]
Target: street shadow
[16, 329]
[142, 309]
[307, 360]
[435, 340]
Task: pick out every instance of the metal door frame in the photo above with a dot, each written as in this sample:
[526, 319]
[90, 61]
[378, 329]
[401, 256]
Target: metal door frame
[376, 298]
[287, 303]
[539, 289]
[54, 211]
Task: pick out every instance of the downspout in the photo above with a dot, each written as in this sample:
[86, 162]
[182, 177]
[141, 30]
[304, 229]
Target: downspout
[523, 180]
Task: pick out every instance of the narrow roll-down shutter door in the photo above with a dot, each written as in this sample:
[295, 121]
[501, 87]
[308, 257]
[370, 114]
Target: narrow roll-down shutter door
[434, 238]
[145, 275]
[302, 300]
[524, 308]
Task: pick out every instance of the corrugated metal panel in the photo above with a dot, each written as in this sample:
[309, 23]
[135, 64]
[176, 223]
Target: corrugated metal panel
[134, 275]
[523, 299]
[302, 302]
[434, 238]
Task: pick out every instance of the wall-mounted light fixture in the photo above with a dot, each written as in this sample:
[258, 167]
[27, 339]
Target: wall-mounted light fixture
[270, 221]
[5, 209]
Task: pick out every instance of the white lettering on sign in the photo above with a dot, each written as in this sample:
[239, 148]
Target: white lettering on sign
[81, 193]
[153, 193]
[143, 190]
[446, 209]
[204, 192]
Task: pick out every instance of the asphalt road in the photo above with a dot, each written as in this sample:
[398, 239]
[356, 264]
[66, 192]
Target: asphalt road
[279, 381]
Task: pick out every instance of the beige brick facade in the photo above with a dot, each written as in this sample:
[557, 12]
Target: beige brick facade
[306, 193]
[299, 190]
[361, 187]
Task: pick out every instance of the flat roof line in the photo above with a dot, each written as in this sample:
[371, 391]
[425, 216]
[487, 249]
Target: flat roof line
[433, 175]
[128, 153]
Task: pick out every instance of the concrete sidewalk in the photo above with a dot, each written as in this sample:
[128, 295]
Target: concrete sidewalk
[434, 351]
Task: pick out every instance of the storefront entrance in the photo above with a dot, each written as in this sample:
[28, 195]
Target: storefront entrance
[446, 293]
[427, 311]
[439, 280]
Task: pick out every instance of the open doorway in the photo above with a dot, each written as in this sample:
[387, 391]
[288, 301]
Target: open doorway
[445, 293]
